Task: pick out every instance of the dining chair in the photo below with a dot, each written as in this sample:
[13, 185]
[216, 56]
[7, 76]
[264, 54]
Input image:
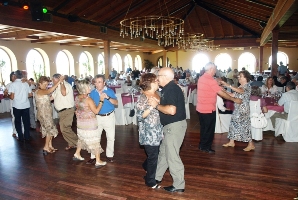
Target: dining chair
[120, 116]
[119, 90]
[255, 107]
[288, 128]
[187, 106]
[222, 122]
[194, 97]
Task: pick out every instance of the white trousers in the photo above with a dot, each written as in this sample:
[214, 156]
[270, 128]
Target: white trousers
[107, 123]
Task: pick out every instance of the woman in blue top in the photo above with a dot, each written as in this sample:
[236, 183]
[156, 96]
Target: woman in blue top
[150, 128]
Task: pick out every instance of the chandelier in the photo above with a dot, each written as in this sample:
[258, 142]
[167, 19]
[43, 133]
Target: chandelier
[188, 40]
[165, 29]
[204, 45]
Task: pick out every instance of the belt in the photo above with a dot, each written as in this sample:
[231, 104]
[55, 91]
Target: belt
[64, 109]
[107, 114]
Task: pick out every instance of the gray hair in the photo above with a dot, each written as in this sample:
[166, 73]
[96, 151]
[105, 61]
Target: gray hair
[291, 85]
[82, 86]
[19, 74]
[100, 76]
[56, 76]
[209, 65]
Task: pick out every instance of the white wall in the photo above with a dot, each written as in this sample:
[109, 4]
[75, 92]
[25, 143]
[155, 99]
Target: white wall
[21, 48]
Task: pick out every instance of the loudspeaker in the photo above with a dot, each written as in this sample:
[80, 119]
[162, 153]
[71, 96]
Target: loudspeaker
[72, 18]
[103, 29]
[36, 12]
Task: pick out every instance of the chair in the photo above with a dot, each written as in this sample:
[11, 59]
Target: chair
[187, 106]
[127, 108]
[280, 89]
[222, 122]
[288, 128]
[120, 118]
[255, 107]
[119, 90]
[191, 95]
[126, 88]
[194, 97]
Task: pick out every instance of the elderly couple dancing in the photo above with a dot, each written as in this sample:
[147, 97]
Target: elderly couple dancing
[162, 126]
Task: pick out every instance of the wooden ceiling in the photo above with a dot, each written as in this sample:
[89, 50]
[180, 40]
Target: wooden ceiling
[230, 23]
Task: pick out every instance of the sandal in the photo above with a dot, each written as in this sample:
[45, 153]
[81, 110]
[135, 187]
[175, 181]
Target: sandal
[53, 149]
[156, 186]
[69, 147]
[77, 158]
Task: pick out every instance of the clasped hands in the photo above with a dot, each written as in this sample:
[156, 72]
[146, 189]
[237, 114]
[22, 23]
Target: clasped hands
[152, 101]
[103, 96]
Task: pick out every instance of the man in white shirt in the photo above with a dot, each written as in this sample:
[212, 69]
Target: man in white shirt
[64, 104]
[32, 115]
[19, 93]
[290, 95]
[6, 94]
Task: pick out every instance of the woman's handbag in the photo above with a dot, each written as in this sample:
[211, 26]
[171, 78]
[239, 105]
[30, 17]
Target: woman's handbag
[132, 110]
[258, 120]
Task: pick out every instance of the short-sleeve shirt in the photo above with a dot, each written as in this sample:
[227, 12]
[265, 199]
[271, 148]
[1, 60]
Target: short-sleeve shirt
[172, 94]
[61, 101]
[21, 91]
[207, 90]
[107, 106]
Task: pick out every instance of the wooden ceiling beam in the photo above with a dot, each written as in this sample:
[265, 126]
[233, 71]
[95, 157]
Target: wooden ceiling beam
[54, 39]
[18, 34]
[23, 19]
[216, 13]
[210, 24]
[283, 10]
[61, 5]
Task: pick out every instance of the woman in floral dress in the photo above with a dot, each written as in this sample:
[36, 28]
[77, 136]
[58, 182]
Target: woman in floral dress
[45, 112]
[240, 126]
[150, 128]
[87, 127]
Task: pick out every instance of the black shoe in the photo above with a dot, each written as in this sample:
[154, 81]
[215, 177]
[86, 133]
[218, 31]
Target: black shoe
[173, 189]
[158, 182]
[207, 150]
[90, 161]
[110, 159]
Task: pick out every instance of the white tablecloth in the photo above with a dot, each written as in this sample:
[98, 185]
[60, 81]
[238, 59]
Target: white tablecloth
[5, 105]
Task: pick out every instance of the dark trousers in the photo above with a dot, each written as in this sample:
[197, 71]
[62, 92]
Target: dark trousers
[22, 115]
[207, 128]
[150, 164]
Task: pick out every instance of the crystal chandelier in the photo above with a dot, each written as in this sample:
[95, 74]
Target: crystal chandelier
[204, 45]
[165, 29]
[188, 40]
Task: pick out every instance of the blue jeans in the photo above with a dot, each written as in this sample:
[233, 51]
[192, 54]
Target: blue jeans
[22, 115]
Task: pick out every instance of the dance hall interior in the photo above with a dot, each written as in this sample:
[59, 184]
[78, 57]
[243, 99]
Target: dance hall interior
[124, 40]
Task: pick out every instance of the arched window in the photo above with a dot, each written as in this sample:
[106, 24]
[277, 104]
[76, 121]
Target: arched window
[127, 62]
[160, 62]
[117, 63]
[281, 57]
[5, 67]
[85, 67]
[248, 61]
[35, 64]
[101, 64]
[223, 61]
[62, 63]
[138, 62]
[199, 62]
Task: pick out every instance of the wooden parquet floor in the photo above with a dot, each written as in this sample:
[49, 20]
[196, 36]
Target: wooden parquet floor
[269, 172]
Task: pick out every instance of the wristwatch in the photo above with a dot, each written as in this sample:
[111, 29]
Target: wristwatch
[100, 101]
[108, 98]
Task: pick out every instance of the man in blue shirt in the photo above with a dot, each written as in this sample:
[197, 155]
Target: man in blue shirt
[282, 69]
[106, 116]
[113, 73]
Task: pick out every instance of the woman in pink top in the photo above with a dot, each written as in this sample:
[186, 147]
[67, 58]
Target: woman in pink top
[87, 128]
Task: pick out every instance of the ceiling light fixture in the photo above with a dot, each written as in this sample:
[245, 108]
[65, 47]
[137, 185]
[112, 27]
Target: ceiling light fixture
[165, 29]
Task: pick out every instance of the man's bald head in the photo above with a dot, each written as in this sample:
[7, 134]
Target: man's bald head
[165, 75]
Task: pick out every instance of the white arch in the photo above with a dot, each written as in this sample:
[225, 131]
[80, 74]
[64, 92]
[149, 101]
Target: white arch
[117, 62]
[281, 57]
[138, 62]
[199, 61]
[71, 62]
[86, 64]
[223, 61]
[37, 63]
[63, 62]
[127, 62]
[101, 64]
[13, 59]
[248, 61]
